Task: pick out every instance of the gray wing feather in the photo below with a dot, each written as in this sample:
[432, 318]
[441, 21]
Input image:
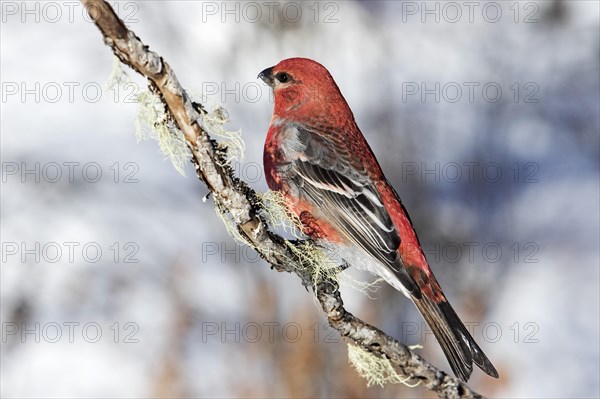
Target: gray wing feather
[346, 197]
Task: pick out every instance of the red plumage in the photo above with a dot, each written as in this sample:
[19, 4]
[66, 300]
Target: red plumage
[316, 155]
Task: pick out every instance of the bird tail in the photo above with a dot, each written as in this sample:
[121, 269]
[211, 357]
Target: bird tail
[458, 345]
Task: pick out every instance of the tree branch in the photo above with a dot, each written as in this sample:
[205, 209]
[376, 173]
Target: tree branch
[237, 199]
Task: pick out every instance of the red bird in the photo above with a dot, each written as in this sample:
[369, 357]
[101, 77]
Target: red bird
[316, 155]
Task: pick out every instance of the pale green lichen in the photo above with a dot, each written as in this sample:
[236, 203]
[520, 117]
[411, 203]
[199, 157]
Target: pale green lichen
[118, 75]
[317, 261]
[214, 122]
[376, 370]
[277, 213]
[152, 122]
[364, 287]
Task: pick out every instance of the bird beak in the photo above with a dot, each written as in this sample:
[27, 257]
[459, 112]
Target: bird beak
[267, 76]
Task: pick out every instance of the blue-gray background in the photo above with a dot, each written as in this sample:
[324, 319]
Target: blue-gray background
[484, 116]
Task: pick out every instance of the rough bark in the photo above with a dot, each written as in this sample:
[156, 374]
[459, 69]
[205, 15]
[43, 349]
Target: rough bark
[237, 199]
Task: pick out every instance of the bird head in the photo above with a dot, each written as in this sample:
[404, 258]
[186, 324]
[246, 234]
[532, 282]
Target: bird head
[303, 87]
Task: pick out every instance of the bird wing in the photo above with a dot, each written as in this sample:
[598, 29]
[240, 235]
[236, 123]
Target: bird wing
[346, 197]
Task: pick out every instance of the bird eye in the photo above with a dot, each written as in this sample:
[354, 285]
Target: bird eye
[282, 77]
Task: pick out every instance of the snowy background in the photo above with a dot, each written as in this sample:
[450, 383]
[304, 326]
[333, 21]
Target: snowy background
[118, 281]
